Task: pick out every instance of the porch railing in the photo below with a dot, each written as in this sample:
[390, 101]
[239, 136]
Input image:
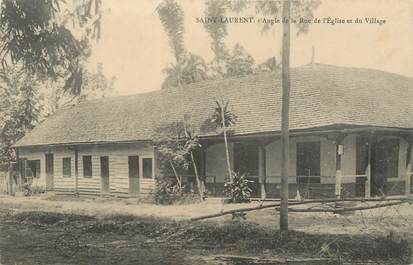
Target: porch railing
[308, 186]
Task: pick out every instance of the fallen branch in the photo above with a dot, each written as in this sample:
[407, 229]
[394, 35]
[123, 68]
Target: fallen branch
[350, 209]
[234, 211]
[392, 198]
[295, 203]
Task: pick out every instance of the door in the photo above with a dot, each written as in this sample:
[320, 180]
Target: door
[49, 172]
[385, 165]
[104, 174]
[133, 165]
[246, 162]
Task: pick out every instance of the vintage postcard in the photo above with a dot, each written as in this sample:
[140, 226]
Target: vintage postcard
[219, 132]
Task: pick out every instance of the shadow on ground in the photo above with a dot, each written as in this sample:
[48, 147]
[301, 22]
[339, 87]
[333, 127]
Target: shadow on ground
[35, 237]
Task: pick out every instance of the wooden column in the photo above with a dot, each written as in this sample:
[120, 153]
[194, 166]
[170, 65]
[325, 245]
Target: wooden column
[261, 170]
[76, 172]
[10, 180]
[367, 191]
[21, 175]
[409, 162]
[338, 171]
[339, 152]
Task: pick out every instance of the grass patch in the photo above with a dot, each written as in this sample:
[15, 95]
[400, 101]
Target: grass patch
[244, 237]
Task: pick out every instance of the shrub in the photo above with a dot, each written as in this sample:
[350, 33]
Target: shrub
[169, 192]
[238, 191]
[29, 189]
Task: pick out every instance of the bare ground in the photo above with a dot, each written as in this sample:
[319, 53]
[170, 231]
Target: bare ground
[113, 231]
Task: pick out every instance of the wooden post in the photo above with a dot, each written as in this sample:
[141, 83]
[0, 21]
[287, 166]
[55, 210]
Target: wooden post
[339, 153]
[10, 180]
[285, 111]
[21, 175]
[76, 171]
[261, 170]
[368, 171]
[408, 169]
[202, 168]
[338, 172]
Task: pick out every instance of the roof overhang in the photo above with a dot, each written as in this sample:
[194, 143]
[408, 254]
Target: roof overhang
[264, 136]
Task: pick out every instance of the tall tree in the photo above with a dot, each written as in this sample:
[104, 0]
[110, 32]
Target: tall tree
[193, 70]
[291, 10]
[95, 85]
[49, 38]
[285, 134]
[218, 31]
[224, 118]
[172, 19]
[239, 62]
[20, 108]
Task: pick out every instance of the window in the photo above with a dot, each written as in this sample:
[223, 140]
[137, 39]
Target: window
[104, 166]
[362, 155]
[87, 166]
[133, 163]
[147, 168]
[308, 161]
[67, 167]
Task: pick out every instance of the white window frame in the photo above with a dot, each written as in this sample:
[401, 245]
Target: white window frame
[141, 157]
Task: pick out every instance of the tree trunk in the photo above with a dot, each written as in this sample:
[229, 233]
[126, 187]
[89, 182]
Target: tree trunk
[178, 178]
[224, 128]
[285, 142]
[198, 180]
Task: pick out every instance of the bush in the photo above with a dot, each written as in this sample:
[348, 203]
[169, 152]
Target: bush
[29, 189]
[169, 192]
[238, 191]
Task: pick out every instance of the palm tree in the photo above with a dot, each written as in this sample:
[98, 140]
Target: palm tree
[172, 19]
[218, 31]
[193, 69]
[223, 118]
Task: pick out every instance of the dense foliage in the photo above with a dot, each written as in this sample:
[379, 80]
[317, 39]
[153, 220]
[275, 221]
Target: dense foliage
[239, 62]
[49, 38]
[44, 45]
[175, 143]
[167, 191]
[221, 112]
[20, 109]
[237, 189]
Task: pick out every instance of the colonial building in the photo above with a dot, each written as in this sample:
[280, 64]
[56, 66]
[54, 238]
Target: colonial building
[351, 135]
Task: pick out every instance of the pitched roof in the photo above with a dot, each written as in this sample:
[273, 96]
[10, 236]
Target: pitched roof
[321, 95]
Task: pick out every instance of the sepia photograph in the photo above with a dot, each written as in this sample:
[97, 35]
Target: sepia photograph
[210, 132]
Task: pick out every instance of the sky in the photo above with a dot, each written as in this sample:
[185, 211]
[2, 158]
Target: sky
[134, 48]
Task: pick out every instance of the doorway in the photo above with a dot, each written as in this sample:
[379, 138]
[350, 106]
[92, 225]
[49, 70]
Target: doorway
[104, 174]
[133, 166]
[246, 162]
[385, 157]
[33, 169]
[49, 171]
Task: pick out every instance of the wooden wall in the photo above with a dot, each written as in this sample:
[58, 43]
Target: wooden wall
[118, 167]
